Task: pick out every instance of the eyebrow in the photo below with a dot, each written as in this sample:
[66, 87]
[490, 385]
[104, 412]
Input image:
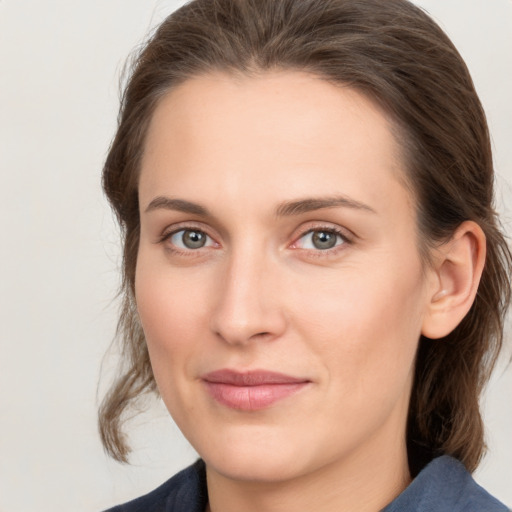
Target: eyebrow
[180, 205]
[285, 209]
[318, 203]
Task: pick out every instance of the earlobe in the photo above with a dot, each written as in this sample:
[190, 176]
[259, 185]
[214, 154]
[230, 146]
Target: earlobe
[457, 270]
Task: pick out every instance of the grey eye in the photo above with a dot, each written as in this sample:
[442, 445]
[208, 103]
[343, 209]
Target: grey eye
[189, 239]
[324, 239]
[321, 240]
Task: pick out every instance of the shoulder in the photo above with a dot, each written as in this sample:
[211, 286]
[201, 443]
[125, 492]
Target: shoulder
[184, 492]
[445, 485]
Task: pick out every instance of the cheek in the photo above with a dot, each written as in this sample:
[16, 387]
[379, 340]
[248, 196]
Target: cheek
[168, 310]
[366, 326]
[170, 324]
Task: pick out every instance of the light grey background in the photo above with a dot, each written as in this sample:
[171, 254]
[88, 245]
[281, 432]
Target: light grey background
[59, 68]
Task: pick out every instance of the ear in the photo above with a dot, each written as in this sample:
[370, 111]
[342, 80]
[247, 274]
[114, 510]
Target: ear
[457, 268]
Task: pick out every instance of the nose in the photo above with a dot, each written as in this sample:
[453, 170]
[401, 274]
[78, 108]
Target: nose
[248, 304]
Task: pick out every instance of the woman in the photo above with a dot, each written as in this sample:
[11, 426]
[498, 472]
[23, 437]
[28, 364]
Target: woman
[314, 278]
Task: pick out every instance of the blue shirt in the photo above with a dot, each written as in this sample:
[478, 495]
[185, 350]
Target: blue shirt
[444, 485]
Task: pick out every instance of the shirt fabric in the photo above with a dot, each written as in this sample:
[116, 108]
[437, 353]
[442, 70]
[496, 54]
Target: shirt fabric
[444, 485]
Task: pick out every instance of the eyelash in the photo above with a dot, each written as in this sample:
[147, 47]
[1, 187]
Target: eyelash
[319, 253]
[167, 235]
[345, 240]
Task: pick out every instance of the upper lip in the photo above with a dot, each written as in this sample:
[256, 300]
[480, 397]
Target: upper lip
[250, 378]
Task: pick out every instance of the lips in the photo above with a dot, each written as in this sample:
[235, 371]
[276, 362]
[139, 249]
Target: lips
[253, 390]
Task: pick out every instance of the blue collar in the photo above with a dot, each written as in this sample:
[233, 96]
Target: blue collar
[444, 485]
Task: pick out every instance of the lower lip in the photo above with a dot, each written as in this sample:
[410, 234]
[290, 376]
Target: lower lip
[252, 398]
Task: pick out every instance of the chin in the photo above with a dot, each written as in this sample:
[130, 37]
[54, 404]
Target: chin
[251, 454]
[256, 466]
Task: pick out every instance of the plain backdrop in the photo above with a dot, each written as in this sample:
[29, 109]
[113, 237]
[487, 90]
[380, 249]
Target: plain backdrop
[59, 69]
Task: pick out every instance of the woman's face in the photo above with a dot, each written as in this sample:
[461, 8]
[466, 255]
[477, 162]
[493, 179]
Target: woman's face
[278, 280]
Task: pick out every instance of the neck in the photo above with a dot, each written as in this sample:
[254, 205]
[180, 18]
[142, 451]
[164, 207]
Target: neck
[365, 482]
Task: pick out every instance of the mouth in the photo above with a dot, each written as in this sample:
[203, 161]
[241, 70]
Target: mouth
[252, 390]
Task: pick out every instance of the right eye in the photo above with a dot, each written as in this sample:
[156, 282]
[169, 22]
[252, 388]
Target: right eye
[321, 239]
[190, 239]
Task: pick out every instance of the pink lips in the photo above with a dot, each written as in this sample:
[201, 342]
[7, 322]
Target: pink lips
[251, 391]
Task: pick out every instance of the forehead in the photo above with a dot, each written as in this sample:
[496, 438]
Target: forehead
[263, 132]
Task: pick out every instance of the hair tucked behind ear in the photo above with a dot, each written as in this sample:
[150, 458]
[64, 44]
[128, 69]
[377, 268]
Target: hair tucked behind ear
[395, 54]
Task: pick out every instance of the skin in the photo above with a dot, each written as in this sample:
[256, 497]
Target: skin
[261, 295]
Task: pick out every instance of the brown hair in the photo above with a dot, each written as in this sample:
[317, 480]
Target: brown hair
[395, 54]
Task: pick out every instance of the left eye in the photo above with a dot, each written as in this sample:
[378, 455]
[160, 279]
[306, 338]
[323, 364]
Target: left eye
[190, 239]
[320, 240]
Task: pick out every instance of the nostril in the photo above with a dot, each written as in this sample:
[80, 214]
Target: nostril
[261, 335]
